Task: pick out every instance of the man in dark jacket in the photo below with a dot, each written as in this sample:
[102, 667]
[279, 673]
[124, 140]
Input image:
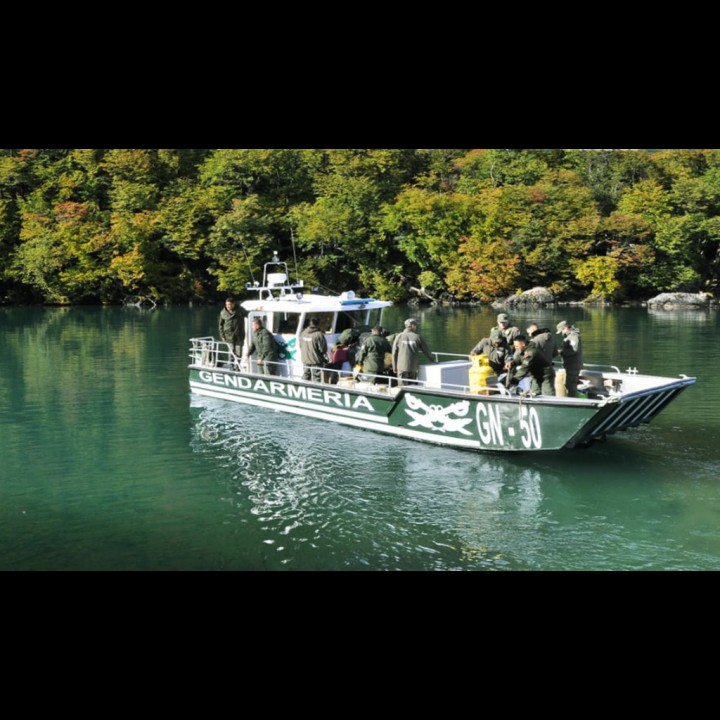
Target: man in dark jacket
[231, 326]
[540, 352]
[313, 351]
[352, 338]
[406, 352]
[572, 355]
[517, 365]
[372, 353]
[267, 349]
[495, 348]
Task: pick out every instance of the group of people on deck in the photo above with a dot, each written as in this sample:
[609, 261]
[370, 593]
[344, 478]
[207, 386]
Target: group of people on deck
[525, 361]
[372, 351]
[379, 354]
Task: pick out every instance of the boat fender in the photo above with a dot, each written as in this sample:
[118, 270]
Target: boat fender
[560, 378]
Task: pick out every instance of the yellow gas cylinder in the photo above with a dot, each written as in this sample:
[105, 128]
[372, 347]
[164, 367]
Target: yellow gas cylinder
[479, 373]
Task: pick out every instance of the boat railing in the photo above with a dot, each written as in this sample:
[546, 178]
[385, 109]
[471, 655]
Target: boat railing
[391, 384]
[388, 383]
[454, 356]
[208, 352]
[558, 363]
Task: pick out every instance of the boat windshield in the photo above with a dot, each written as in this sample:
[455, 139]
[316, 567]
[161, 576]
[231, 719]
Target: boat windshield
[325, 320]
[354, 318]
[287, 323]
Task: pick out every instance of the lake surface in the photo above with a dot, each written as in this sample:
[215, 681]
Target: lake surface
[107, 463]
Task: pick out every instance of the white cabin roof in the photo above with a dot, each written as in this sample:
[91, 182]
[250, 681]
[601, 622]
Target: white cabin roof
[313, 303]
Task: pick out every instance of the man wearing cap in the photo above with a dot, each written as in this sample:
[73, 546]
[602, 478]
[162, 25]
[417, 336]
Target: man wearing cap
[509, 332]
[406, 352]
[495, 348]
[538, 358]
[572, 355]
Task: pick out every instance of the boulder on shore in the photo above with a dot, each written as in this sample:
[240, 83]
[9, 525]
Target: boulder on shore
[670, 301]
[538, 296]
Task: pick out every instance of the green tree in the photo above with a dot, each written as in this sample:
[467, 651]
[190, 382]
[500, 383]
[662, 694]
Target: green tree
[482, 169]
[342, 232]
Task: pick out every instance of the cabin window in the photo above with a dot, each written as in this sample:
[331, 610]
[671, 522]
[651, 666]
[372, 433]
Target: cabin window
[374, 317]
[349, 319]
[325, 320]
[288, 323]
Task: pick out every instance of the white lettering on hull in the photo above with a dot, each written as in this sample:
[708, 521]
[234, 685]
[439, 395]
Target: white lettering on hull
[488, 424]
[491, 431]
[288, 390]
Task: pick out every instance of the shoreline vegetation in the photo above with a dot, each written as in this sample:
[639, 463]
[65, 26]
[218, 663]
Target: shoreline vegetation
[507, 228]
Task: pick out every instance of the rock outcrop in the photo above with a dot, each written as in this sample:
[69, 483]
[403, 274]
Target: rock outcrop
[536, 297]
[670, 301]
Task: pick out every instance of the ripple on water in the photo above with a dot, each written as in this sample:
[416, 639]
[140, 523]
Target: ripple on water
[327, 497]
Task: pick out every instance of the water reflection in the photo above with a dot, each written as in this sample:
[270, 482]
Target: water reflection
[678, 318]
[365, 501]
[325, 497]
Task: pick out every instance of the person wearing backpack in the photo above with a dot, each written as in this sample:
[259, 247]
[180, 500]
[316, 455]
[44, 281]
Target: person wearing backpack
[267, 348]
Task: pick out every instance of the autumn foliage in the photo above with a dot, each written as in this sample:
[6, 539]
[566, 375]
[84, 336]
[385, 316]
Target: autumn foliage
[89, 225]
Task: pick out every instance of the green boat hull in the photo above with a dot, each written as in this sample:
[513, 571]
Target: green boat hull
[476, 422]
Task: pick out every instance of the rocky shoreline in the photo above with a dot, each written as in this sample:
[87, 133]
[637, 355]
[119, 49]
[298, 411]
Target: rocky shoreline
[540, 297]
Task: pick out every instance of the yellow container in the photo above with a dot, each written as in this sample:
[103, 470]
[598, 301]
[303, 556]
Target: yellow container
[479, 373]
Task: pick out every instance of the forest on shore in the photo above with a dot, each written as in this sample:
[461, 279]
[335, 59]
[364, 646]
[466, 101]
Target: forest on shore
[99, 226]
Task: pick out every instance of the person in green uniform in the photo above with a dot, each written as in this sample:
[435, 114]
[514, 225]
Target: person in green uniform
[496, 349]
[508, 331]
[518, 372]
[231, 326]
[571, 354]
[372, 353]
[539, 356]
[406, 352]
[313, 351]
[264, 344]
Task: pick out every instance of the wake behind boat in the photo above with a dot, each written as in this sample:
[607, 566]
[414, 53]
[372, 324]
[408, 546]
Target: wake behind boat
[444, 406]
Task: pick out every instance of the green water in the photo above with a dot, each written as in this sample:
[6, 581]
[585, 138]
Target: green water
[107, 463]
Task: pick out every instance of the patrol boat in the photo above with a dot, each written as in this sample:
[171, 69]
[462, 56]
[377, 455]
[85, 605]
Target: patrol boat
[444, 406]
